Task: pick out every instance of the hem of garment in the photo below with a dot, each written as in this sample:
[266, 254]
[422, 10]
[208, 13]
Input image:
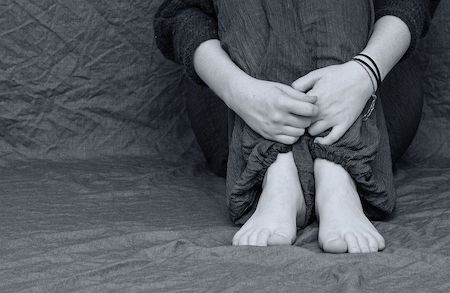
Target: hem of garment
[362, 182]
[249, 184]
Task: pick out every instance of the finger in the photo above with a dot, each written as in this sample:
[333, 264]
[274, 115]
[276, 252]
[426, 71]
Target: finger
[301, 108]
[318, 127]
[298, 121]
[286, 139]
[306, 82]
[336, 133]
[292, 131]
[298, 95]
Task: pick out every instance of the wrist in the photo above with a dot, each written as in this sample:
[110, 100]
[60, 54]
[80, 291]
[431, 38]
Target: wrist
[367, 79]
[369, 64]
[235, 89]
[218, 71]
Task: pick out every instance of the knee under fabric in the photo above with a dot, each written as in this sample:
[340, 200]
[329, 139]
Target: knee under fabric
[282, 41]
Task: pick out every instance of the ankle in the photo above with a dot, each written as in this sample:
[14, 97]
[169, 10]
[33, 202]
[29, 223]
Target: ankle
[283, 168]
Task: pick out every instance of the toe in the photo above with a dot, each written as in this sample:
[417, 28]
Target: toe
[363, 243]
[333, 244]
[243, 240]
[380, 240]
[278, 238]
[263, 237]
[237, 236]
[373, 244]
[253, 238]
[352, 243]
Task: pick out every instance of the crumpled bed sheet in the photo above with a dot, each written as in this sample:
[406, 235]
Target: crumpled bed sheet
[103, 188]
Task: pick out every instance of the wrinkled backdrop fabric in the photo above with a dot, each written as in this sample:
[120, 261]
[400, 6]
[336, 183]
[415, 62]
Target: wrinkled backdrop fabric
[103, 187]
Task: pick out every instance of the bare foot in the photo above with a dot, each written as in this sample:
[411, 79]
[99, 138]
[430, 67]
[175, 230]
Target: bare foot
[280, 206]
[343, 224]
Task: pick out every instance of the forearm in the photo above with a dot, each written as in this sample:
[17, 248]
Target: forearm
[389, 42]
[217, 70]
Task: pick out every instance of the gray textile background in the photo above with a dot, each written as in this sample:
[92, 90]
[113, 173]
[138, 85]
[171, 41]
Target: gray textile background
[103, 188]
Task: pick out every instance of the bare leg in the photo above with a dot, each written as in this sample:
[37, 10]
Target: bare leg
[280, 208]
[343, 224]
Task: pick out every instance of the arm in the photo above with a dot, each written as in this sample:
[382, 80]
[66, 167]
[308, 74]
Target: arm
[188, 28]
[274, 110]
[182, 25]
[390, 40]
[413, 13]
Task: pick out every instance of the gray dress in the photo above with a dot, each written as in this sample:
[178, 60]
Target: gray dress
[282, 41]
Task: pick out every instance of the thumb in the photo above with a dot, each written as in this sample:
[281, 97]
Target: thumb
[306, 82]
[335, 134]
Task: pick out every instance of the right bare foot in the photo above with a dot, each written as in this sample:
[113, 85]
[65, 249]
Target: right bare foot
[280, 207]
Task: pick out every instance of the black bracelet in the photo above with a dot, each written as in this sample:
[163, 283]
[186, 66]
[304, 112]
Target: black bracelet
[371, 70]
[374, 64]
[368, 73]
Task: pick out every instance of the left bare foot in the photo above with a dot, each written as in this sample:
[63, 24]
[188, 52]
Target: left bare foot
[343, 226]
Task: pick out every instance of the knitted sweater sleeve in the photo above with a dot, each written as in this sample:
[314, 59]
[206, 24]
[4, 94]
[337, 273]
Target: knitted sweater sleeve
[181, 26]
[414, 13]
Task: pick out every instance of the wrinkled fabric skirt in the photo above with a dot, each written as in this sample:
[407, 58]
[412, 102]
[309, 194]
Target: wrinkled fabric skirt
[282, 41]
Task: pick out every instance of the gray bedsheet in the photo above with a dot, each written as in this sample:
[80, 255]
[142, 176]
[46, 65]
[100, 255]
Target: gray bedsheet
[103, 188]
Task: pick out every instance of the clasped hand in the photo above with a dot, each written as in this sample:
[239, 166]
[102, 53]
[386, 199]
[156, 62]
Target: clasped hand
[276, 111]
[328, 98]
[342, 92]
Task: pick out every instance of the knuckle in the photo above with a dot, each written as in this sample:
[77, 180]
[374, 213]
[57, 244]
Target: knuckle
[306, 122]
[283, 140]
[283, 103]
[287, 140]
[276, 117]
[309, 98]
[276, 102]
[310, 109]
[293, 140]
[313, 131]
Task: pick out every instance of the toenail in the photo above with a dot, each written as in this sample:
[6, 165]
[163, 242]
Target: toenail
[354, 249]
